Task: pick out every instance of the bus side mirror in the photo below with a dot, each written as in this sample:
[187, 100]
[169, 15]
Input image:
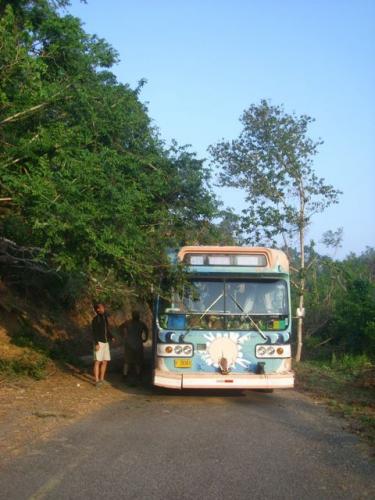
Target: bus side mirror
[300, 312]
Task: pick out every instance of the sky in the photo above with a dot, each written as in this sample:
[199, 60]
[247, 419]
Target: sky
[206, 61]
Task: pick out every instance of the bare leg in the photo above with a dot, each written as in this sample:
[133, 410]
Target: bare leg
[103, 369]
[126, 369]
[96, 370]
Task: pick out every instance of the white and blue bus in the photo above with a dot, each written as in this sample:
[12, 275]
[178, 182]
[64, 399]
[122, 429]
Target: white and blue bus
[230, 325]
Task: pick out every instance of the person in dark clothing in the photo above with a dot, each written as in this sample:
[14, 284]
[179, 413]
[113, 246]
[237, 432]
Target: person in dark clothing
[101, 336]
[135, 333]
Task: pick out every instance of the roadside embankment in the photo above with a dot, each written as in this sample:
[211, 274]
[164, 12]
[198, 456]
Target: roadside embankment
[45, 369]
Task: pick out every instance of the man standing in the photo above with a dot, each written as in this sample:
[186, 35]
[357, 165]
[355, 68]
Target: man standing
[101, 336]
[135, 333]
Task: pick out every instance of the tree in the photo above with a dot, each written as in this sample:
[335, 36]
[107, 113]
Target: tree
[352, 326]
[272, 160]
[84, 176]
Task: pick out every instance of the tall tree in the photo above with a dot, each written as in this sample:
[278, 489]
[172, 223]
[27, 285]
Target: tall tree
[84, 176]
[272, 160]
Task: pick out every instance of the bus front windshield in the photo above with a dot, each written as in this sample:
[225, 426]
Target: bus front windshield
[231, 304]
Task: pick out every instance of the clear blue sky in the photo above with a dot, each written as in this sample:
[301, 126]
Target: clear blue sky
[207, 60]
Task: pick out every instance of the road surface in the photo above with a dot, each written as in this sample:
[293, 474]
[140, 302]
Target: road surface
[168, 445]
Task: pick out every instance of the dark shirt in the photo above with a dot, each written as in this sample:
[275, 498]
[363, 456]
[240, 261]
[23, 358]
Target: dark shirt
[133, 331]
[100, 329]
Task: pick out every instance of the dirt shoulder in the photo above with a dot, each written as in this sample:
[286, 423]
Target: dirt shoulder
[31, 410]
[346, 391]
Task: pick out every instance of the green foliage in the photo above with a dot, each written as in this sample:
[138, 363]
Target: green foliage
[350, 363]
[229, 228]
[39, 348]
[29, 364]
[333, 239]
[340, 305]
[353, 321]
[323, 278]
[272, 161]
[92, 185]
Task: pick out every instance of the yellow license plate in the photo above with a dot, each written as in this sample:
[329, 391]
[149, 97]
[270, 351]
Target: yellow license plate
[182, 363]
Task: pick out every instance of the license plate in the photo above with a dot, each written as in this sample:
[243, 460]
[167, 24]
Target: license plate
[182, 363]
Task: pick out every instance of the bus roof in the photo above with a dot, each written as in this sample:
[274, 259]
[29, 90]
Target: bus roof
[275, 259]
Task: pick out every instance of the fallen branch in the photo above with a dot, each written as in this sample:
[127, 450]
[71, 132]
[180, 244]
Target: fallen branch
[322, 343]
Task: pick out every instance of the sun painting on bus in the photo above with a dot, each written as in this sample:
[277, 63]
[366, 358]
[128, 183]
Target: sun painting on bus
[224, 345]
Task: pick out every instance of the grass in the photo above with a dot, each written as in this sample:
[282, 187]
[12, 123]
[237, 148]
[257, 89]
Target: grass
[347, 385]
[29, 363]
[57, 350]
[26, 353]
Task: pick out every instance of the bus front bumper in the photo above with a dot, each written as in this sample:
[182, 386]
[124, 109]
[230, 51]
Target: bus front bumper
[218, 381]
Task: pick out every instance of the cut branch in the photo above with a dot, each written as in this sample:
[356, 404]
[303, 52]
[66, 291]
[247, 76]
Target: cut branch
[33, 109]
[21, 114]
[13, 256]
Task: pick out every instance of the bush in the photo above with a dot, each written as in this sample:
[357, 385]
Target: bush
[30, 364]
[56, 349]
[350, 363]
[29, 338]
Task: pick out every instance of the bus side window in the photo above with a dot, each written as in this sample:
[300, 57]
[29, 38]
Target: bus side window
[176, 321]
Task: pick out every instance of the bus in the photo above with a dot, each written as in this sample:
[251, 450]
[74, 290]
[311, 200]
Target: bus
[229, 325]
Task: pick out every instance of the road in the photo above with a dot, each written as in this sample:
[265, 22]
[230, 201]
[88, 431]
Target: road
[168, 445]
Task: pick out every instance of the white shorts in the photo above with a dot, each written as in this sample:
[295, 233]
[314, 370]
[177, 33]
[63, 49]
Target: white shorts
[102, 354]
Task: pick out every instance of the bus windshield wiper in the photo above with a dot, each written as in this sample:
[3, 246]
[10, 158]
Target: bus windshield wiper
[211, 305]
[250, 318]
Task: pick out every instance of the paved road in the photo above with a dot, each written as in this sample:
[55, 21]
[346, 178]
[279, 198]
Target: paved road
[197, 446]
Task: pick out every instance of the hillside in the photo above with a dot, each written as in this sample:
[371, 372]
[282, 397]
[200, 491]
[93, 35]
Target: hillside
[45, 369]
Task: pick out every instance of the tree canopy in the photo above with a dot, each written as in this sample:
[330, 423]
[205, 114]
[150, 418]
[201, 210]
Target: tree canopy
[272, 161]
[84, 175]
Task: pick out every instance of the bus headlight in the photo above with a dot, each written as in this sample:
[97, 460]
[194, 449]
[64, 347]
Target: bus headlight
[270, 351]
[187, 349]
[174, 350]
[261, 351]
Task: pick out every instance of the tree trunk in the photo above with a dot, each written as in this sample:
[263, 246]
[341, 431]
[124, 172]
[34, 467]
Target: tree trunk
[299, 331]
[302, 275]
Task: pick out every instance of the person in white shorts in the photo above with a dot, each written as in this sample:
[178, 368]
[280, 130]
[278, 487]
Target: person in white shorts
[101, 337]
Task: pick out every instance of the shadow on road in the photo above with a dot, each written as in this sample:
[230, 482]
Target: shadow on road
[143, 387]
